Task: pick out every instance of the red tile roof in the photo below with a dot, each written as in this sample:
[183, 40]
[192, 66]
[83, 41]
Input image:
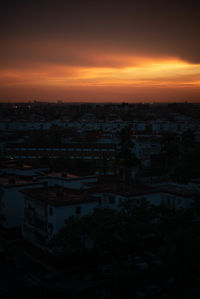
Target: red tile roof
[58, 196]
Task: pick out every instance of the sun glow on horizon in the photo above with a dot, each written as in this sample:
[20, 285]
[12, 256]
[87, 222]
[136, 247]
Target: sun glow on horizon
[146, 73]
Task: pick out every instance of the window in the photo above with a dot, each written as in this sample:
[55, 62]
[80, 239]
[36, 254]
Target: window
[50, 227]
[50, 211]
[121, 200]
[78, 210]
[111, 199]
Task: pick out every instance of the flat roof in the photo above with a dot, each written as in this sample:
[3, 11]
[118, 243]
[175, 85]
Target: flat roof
[177, 190]
[133, 189]
[7, 181]
[59, 196]
[122, 188]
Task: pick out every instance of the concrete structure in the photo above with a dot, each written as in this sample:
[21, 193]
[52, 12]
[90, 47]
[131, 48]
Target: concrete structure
[46, 211]
[145, 147]
[113, 194]
[67, 182]
[12, 201]
[85, 150]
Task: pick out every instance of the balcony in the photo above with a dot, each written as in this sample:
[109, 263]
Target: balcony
[35, 222]
[30, 227]
[34, 213]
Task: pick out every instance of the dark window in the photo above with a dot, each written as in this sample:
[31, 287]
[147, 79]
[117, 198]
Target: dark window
[78, 210]
[50, 211]
[111, 199]
[50, 227]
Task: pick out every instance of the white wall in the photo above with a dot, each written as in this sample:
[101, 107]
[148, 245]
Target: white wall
[155, 199]
[13, 204]
[62, 213]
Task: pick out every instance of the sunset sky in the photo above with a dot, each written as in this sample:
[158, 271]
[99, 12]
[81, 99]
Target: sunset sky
[100, 50]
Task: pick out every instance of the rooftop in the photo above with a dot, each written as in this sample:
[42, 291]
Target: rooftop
[65, 175]
[59, 196]
[133, 189]
[122, 188]
[13, 181]
[178, 190]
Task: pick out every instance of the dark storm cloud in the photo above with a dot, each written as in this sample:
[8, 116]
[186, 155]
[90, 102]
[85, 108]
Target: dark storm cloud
[168, 28]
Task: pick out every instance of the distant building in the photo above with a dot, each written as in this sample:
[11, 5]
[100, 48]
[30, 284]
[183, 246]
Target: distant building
[145, 147]
[84, 150]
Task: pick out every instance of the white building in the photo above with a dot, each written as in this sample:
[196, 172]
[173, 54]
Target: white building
[12, 202]
[112, 195]
[145, 147]
[67, 182]
[12, 197]
[47, 209]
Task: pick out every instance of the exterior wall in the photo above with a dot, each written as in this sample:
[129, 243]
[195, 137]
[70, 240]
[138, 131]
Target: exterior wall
[110, 200]
[154, 199]
[176, 201]
[23, 172]
[197, 136]
[61, 214]
[89, 151]
[156, 128]
[13, 205]
[35, 221]
[42, 221]
[68, 183]
[25, 125]
[141, 126]
[145, 149]
[12, 208]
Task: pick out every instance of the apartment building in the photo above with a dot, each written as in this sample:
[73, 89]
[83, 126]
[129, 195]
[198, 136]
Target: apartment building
[12, 200]
[88, 151]
[113, 194]
[47, 209]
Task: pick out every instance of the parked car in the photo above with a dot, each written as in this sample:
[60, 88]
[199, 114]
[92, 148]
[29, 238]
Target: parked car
[140, 263]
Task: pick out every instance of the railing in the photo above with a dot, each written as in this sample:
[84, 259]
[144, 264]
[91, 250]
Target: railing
[28, 227]
[31, 212]
[35, 221]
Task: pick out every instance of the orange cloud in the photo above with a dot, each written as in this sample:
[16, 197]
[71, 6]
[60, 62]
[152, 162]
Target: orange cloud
[130, 72]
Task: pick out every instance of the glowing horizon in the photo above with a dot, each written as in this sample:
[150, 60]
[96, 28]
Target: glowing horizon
[147, 73]
[99, 51]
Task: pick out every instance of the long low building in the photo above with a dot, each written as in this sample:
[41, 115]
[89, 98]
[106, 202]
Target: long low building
[89, 151]
[113, 194]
